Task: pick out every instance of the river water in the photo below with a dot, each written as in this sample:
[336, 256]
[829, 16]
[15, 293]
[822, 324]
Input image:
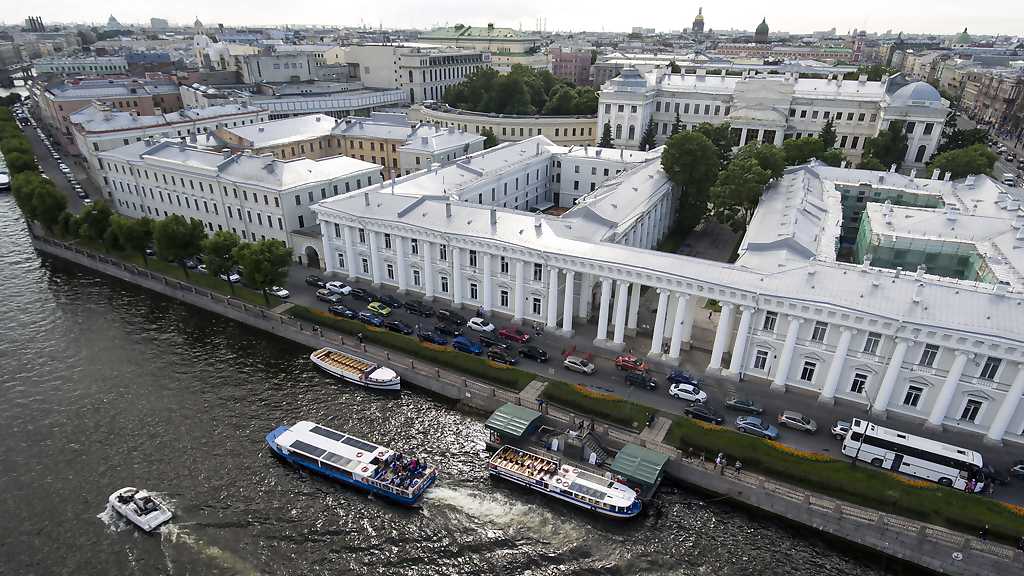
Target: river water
[105, 385]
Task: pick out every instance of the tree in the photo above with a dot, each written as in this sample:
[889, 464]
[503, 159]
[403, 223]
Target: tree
[692, 161]
[21, 145]
[801, 151]
[135, 235]
[95, 221]
[828, 134]
[737, 192]
[647, 139]
[677, 125]
[264, 264]
[177, 239]
[977, 159]
[869, 163]
[959, 139]
[606, 136]
[674, 67]
[768, 156]
[833, 157]
[490, 138]
[221, 248]
[890, 146]
[48, 204]
[67, 225]
[19, 162]
[720, 135]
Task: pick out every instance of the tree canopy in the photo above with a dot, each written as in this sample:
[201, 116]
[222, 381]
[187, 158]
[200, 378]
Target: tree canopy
[264, 264]
[522, 91]
[38, 198]
[828, 134]
[739, 188]
[177, 239]
[692, 161]
[963, 162]
[648, 138]
[869, 163]
[801, 151]
[136, 235]
[490, 138]
[606, 136]
[221, 247]
[720, 135]
[890, 146]
[94, 222]
[959, 139]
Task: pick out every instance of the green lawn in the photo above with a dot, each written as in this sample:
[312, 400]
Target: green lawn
[617, 410]
[713, 305]
[674, 240]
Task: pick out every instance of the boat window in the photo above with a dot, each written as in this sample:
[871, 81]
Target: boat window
[308, 449]
[326, 433]
[587, 490]
[359, 444]
[307, 459]
[337, 460]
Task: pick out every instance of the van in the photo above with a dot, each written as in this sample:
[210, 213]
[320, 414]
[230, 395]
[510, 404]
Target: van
[1009, 179]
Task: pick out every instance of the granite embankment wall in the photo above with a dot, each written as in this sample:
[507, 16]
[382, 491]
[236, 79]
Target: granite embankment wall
[925, 545]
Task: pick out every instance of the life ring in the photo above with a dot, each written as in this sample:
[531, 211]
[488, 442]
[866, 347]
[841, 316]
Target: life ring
[359, 454]
[637, 490]
[575, 471]
[380, 454]
[565, 469]
[365, 469]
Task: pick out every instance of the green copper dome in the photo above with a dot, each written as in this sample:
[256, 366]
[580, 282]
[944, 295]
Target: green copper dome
[762, 28]
[962, 38]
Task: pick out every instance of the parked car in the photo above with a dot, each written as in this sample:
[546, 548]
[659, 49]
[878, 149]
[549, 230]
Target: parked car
[488, 340]
[379, 308]
[342, 311]
[841, 429]
[533, 353]
[202, 269]
[1018, 468]
[451, 316]
[448, 329]
[684, 377]
[362, 294]
[514, 334]
[325, 295]
[755, 426]
[688, 392]
[390, 301]
[993, 475]
[431, 337]
[744, 404]
[480, 325]
[82, 194]
[463, 344]
[229, 277]
[87, 202]
[398, 326]
[704, 413]
[641, 378]
[370, 318]
[419, 308]
[798, 421]
[625, 362]
[501, 355]
[338, 287]
[280, 292]
[191, 263]
[314, 280]
[578, 364]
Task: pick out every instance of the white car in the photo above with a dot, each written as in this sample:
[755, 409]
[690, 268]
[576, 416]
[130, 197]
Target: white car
[87, 202]
[231, 277]
[339, 287]
[480, 325]
[688, 392]
[202, 268]
[280, 292]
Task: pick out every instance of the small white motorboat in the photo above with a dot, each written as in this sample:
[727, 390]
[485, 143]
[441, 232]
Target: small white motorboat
[140, 507]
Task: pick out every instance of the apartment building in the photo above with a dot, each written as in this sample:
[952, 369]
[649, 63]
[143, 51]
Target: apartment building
[422, 72]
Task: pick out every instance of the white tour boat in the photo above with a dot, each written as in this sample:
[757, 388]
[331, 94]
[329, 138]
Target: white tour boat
[348, 459]
[139, 507]
[584, 489]
[356, 370]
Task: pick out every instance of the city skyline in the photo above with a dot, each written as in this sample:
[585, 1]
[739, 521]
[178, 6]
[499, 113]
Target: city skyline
[801, 16]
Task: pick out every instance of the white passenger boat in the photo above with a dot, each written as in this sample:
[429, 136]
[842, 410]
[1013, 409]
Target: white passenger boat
[356, 370]
[140, 507]
[353, 461]
[5, 175]
[584, 489]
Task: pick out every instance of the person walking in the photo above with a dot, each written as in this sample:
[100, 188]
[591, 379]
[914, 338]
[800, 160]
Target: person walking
[359, 337]
[689, 454]
[710, 314]
[984, 533]
[702, 461]
[739, 467]
[1020, 545]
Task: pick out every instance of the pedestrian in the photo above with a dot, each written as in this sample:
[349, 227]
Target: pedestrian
[582, 423]
[984, 533]
[480, 313]
[718, 461]
[689, 454]
[359, 337]
[540, 403]
[630, 351]
[739, 467]
[701, 459]
[316, 329]
[417, 328]
[664, 347]
[1020, 545]
[710, 313]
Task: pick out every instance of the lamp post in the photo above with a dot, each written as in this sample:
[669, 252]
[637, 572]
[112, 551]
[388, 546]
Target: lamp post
[857, 455]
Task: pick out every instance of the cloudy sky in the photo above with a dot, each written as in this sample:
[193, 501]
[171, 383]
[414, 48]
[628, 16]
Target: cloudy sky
[936, 16]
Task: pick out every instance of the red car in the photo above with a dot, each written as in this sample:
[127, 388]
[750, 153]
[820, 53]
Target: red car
[514, 334]
[630, 363]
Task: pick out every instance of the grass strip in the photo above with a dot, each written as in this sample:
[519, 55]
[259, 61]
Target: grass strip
[608, 408]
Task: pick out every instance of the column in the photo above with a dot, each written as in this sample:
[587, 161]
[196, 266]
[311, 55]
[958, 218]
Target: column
[647, 231]
[602, 317]
[666, 216]
[787, 354]
[721, 335]
[634, 309]
[329, 257]
[403, 285]
[659, 323]
[428, 270]
[374, 258]
[655, 225]
[690, 304]
[586, 289]
[941, 405]
[679, 325]
[740, 347]
[828, 392]
[1006, 409]
[621, 297]
[519, 292]
[632, 236]
[552, 297]
[456, 277]
[350, 255]
[488, 281]
[889, 381]
[567, 304]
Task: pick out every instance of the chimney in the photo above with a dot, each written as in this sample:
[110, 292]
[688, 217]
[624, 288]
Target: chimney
[878, 277]
[430, 164]
[366, 198]
[867, 262]
[863, 78]
[448, 209]
[948, 176]
[969, 181]
[843, 164]
[536, 220]
[494, 216]
[913, 174]
[953, 215]
[892, 168]
[899, 272]
[1018, 221]
[839, 80]
[921, 269]
[918, 293]
[424, 140]
[936, 173]
[1014, 205]
[226, 154]
[1002, 287]
[538, 149]
[974, 209]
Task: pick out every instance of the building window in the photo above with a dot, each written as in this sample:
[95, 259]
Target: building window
[538, 272]
[415, 277]
[770, 318]
[391, 272]
[362, 236]
[472, 258]
[444, 284]
[536, 306]
[473, 291]
[913, 396]
[760, 359]
[387, 241]
[341, 260]
[807, 373]
[503, 298]
[842, 142]
[442, 252]
[988, 372]
[860, 381]
[414, 245]
[871, 344]
[820, 328]
[854, 142]
[366, 266]
[298, 199]
[504, 265]
[301, 225]
[971, 410]
[928, 355]
[337, 230]
[928, 130]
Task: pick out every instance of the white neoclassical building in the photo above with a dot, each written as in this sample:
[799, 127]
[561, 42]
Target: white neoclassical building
[773, 108]
[942, 348]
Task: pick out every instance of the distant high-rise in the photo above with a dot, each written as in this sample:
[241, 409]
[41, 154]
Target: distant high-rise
[159, 24]
[698, 22]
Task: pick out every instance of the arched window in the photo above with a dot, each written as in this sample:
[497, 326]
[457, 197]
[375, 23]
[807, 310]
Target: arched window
[632, 132]
[558, 178]
[412, 94]
[920, 154]
[618, 131]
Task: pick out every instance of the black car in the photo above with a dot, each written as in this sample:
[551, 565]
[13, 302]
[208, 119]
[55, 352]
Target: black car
[344, 312]
[448, 329]
[533, 353]
[487, 340]
[398, 326]
[314, 280]
[363, 294]
[418, 307]
[641, 378]
[390, 302]
[704, 414]
[431, 337]
[995, 476]
[370, 318]
[451, 316]
[501, 356]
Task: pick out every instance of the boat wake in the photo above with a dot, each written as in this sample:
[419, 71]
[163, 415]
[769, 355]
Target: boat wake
[495, 511]
[174, 534]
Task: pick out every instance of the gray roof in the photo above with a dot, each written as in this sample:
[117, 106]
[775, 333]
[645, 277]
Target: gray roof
[92, 120]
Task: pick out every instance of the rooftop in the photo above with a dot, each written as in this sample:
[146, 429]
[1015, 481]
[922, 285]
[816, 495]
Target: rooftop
[92, 117]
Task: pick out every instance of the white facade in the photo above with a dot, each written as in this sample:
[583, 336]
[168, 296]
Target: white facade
[94, 66]
[275, 67]
[423, 73]
[430, 145]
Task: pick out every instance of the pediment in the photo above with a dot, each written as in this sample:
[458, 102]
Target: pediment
[762, 95]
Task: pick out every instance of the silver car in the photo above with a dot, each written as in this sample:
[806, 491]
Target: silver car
[798, 421]
[578, 364]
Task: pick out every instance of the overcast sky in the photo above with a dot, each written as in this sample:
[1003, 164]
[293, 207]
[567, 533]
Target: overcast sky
[798, 16]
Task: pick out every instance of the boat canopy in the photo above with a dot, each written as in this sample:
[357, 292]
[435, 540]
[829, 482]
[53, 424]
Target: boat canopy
[513, 421]
[639, 464]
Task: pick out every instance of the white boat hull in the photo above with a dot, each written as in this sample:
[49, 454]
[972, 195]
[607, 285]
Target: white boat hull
[379, 377]
[129, 503]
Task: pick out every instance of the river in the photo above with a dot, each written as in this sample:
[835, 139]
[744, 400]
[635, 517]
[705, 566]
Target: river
[106, 385]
